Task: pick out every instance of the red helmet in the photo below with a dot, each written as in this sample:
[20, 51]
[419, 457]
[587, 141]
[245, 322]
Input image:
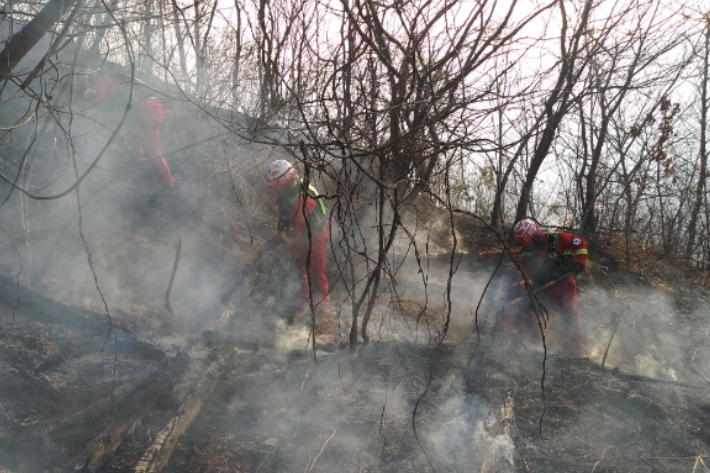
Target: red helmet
[279, 174]
[524, 231]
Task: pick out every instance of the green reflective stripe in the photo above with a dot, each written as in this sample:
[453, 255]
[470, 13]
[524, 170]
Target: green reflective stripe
[581, 252]
[557, 246]
[315, 195]
[565, 257]
[321, 215]
[552, 242]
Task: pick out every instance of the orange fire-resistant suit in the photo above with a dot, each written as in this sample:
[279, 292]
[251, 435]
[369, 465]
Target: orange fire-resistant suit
[298, 211]
[144, 124]
[550, 256]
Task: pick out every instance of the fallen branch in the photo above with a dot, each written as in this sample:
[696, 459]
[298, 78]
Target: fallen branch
[64, 355]
[157, 456]
[138, 403]
[25, 39]
[129, 346]
[309, 469]
[217, 330]
[168, 307]
[38, 386]
[617, 321]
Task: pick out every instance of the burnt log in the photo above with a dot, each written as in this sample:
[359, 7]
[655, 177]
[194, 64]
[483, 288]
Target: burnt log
[26, 304]
[157, 456]
[137, 404]
[36, 386]
[216, 331]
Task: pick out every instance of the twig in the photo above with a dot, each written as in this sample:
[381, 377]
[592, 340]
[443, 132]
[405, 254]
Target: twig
[699, 459]
[693, 457]
[168, 307]
[321, 451]
[613, 332]
[601, 460]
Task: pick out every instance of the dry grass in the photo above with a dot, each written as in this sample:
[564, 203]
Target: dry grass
[649, 263]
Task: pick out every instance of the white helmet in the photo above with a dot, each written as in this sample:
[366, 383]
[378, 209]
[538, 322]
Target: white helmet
[279, 174]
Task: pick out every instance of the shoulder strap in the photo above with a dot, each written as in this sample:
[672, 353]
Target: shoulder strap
[320, 206]
[552, 243]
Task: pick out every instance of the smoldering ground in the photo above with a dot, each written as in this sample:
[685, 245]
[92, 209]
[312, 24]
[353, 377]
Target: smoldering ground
[363, 412]
[355, 414]
[645, 331]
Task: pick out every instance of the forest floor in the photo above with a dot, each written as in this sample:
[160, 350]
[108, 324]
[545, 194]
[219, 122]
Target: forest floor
[98, 375]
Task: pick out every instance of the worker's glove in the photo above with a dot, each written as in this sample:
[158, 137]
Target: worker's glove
[270, 245]
[524, 284]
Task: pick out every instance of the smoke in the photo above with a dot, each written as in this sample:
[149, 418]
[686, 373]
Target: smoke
[422, 288]
[462, 432]
[130, 223]
[356, 414]
[350, 411]
[642, 331]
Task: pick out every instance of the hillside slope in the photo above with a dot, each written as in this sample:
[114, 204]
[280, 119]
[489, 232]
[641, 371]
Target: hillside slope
[94, 365]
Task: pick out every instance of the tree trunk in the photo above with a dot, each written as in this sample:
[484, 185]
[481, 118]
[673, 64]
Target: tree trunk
[163, 41]
[145, 60]
[237, 49]
[560, 97]
[497, 212]
[267, 97]
[180, 41]
[589, 218]
[138, 403]
[156, 457]
[22, 42]
[702, 172]
[541, 151]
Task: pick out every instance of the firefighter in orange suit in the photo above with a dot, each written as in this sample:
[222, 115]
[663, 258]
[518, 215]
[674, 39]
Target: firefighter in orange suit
[143, 124]
[547, 257]
[301, 209]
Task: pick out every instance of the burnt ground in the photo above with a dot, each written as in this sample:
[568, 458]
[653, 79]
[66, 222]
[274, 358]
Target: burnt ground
[87, 346]
[393, 406]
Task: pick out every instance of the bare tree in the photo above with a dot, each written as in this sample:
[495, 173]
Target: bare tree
[23, 41]
[395, 105]
[699, 196]
[643, 53]
[573, 62]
